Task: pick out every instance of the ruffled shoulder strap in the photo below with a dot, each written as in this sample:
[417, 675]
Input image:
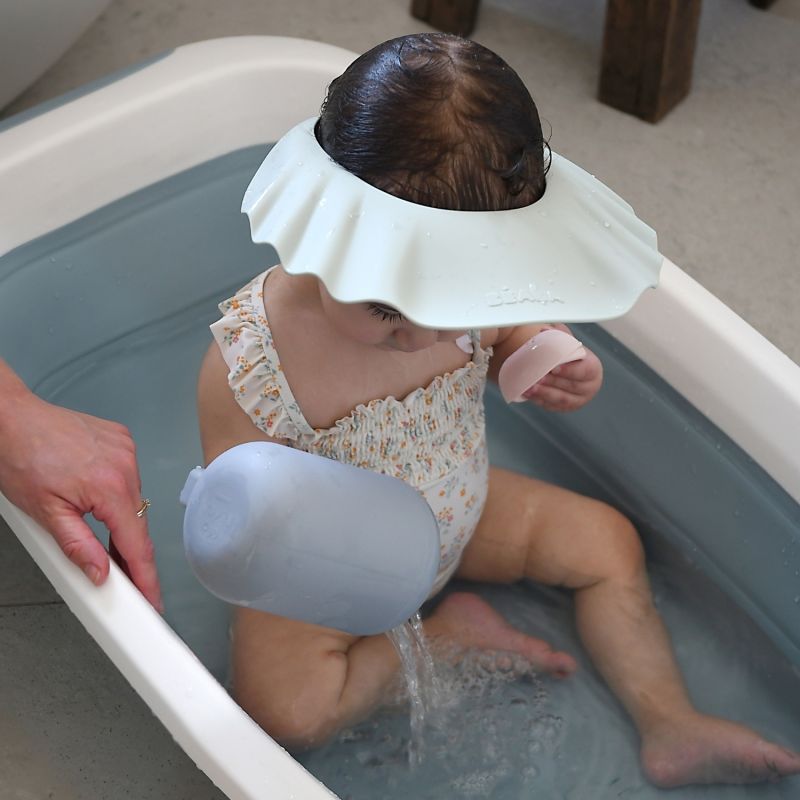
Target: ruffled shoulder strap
[475, 340]
[255, 374]
[470, 342]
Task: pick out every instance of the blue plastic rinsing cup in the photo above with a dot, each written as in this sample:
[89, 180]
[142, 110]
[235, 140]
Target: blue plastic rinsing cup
[309, 538]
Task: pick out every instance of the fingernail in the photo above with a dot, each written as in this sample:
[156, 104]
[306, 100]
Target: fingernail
[93, 574]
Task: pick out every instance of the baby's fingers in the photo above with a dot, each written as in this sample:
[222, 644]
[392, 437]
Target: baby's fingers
[564, 384]
[574, 370]
[583, 377]
[553, 398]
[588, 368]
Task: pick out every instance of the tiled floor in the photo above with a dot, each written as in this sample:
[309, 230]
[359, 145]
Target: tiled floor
[719, 179]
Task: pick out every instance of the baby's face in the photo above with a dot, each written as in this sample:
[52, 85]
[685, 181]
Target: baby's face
[381, 326]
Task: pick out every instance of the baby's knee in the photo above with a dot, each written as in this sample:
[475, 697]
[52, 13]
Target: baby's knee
[293, 724]
[623, 550]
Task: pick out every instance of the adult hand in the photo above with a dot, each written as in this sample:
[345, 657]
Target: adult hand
[569, 386]
[58, 465]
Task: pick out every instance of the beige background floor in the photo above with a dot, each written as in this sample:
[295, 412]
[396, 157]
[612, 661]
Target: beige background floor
[719, 179]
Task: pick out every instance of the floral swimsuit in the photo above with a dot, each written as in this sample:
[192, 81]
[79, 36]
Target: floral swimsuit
[434, 438]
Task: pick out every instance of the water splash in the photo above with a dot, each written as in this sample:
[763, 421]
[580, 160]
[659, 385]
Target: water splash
[422, 683]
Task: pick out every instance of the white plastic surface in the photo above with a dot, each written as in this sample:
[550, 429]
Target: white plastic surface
[579, 253]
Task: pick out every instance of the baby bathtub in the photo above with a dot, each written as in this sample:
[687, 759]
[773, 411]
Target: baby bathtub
[699, 419]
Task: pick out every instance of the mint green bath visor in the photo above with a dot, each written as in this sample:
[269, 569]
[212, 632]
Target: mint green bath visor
[577, 254]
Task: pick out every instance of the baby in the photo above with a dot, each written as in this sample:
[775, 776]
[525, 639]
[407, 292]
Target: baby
[440, 121]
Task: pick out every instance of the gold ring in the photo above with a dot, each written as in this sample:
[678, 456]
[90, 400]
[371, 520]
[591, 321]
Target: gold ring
[143, 509]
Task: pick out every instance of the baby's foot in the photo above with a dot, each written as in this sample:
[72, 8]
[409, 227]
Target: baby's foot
[703, 749]
[471, 622]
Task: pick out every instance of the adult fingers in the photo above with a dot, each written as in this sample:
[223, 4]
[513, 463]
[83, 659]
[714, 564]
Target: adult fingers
[117, 500]
[130, 539]
[79, 544]
[117, 558]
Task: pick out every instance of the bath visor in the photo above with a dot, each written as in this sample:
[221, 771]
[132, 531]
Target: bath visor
[577, 254]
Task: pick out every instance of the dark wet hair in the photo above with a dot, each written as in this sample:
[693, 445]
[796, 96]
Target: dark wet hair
[437, 120]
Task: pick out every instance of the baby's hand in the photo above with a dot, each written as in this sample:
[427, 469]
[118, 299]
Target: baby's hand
[570, 386]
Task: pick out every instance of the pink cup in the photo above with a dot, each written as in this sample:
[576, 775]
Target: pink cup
[527, 365]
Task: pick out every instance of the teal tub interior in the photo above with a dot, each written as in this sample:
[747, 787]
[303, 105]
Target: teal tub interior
[110, 315]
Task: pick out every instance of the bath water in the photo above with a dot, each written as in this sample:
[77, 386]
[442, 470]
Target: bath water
[437, 690]
[504, 732]
[422, 683]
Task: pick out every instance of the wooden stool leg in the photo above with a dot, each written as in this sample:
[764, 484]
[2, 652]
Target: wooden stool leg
[648, 51]
[450, 16]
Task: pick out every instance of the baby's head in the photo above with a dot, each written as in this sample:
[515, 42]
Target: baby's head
[437, 120]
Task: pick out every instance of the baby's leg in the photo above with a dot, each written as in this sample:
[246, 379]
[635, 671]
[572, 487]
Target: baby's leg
[302, 683]
[536, 530]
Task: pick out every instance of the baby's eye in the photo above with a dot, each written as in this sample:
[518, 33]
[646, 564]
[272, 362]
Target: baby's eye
[386, 313]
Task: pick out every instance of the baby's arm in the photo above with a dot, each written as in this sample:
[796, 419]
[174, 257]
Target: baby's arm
[567, 387]
[223, 423]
